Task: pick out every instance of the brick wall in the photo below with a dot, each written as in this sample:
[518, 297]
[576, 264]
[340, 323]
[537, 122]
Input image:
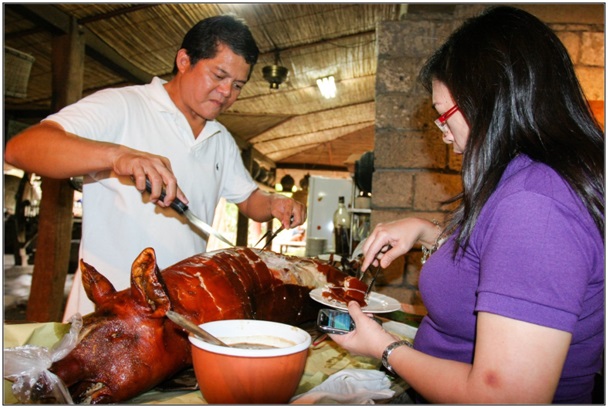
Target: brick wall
[414, 170]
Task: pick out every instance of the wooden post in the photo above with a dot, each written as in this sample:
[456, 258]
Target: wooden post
[242, 224]
[20, 237]
[46, 301]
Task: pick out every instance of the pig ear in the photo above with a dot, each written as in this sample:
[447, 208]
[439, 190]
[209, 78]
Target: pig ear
[147, 287]
[95, 284]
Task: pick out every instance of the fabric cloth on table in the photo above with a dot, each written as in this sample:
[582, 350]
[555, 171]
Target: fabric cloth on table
[349, 386]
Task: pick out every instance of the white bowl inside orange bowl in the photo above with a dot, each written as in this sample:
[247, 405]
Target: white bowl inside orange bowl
[266, 368]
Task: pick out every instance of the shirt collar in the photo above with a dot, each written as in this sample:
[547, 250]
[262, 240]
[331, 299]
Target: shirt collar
[160, 96]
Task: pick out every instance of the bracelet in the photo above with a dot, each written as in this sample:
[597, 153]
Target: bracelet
[426, 252]
[389, 349]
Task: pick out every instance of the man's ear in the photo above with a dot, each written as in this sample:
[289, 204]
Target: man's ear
[182, 60]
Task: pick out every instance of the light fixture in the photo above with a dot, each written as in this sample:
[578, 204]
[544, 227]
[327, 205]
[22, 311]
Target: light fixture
[275, 74]
[327, 86]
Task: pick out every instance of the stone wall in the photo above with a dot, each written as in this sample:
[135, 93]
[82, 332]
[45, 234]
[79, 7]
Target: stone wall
[414, 170]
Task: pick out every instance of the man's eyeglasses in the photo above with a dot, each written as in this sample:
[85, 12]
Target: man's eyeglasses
[441, 121]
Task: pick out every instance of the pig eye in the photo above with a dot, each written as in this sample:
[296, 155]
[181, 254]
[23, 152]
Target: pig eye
[116, 335]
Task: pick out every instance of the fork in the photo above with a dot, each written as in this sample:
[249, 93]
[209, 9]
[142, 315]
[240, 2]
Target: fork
[274, 234]
[369, 287]
[378, 269]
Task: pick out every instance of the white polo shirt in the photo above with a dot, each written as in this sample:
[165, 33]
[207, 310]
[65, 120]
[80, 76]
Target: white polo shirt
[118, 221]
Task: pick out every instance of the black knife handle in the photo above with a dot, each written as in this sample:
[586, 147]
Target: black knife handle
[176, 204]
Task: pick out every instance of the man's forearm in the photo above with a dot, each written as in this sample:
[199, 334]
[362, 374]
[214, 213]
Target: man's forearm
[46, 149]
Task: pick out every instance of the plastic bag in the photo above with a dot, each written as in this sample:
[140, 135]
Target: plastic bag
[27, 367]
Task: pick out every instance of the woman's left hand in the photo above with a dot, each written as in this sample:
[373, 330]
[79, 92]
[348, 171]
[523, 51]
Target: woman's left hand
[369, 339]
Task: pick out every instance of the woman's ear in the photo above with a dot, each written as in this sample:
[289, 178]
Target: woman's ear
[182, 60]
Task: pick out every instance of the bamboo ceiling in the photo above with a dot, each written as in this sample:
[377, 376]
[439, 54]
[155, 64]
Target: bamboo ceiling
[292, 126]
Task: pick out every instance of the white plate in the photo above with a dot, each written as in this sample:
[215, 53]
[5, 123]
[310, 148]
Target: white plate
[376, 303]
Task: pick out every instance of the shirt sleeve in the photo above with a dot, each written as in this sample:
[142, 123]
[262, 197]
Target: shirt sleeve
[99, 116]
[239, 184]
[533, 264]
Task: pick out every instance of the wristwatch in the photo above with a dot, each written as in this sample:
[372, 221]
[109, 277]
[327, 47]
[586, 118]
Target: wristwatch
[389, 349]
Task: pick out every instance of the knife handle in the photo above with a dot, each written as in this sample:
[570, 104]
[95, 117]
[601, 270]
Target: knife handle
[176, 204]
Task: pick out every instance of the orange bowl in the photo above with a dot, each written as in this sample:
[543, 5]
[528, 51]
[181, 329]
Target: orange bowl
[244, 375]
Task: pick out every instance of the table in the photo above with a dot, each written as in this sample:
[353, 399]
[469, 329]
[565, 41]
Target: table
[324, 360]
[296, 244]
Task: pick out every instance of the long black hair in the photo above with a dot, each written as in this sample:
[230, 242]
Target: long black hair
[202, 40]
[514, 83]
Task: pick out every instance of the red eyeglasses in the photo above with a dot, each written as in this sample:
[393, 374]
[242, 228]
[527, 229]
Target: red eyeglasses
[441, 121]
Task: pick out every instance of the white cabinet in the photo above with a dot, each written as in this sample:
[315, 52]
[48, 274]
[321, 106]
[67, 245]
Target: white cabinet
[323, 193]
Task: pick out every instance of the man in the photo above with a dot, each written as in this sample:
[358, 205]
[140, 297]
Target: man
[165, 132]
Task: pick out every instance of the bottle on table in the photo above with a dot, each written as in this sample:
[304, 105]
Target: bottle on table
[342, 229]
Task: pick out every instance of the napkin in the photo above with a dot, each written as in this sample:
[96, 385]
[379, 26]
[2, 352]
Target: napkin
[349, 386]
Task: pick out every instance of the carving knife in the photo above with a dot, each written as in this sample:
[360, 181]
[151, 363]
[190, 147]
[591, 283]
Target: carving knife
[183, 209]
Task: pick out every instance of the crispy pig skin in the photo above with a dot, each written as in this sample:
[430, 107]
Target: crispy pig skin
[128, 346]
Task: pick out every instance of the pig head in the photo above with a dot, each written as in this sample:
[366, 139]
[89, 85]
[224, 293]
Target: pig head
[127, 343]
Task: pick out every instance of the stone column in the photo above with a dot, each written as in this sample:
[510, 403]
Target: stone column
[414, 170]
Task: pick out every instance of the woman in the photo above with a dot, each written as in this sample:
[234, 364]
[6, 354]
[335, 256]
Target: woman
[515, 291]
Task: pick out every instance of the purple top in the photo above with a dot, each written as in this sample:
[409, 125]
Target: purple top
[535, 255]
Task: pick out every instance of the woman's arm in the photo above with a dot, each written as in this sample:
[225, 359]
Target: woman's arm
[514, 362]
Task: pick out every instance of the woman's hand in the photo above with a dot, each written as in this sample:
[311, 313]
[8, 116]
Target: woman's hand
[368, 339]
[390, 240]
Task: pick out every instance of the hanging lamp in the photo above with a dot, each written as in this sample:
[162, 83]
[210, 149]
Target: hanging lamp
[275, 74]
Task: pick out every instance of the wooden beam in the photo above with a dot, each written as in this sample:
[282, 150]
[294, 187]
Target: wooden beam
[46, 301]
[59, 22]
[99, 50]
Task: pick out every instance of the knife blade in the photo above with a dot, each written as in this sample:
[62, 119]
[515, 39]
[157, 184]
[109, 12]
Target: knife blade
[183, 209]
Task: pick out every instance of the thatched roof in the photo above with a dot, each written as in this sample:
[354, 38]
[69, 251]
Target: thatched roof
[292, 126]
